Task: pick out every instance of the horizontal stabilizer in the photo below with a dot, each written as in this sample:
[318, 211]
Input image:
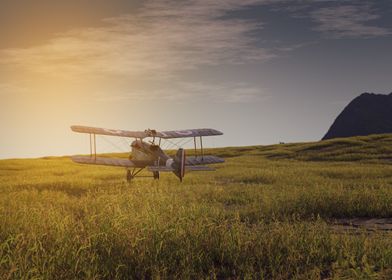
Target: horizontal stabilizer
[103, 161]
[187, 168]
[199, 168]
[160, 169]
[203, 160]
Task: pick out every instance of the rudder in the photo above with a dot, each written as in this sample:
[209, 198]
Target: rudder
[179, 164]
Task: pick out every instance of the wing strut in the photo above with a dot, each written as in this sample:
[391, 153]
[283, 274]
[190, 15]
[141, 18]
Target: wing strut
[194, 141]
[93, 145]
[201, 147]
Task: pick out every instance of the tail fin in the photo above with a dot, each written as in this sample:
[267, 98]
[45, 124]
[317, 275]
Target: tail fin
[179, 164]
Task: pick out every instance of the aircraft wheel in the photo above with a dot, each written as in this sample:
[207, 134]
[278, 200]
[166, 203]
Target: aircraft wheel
[156, 175]
[129, 176]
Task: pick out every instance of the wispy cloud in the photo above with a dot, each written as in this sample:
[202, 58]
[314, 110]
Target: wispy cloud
[162, 38]
[157, 43]
[338, 18]
[229, 92]
[7, 88]
[352, 21]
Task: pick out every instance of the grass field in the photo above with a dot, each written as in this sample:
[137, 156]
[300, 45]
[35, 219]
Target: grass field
[265, 214]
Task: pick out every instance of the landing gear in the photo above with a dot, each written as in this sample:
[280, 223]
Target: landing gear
[132, 173]
[129, 176]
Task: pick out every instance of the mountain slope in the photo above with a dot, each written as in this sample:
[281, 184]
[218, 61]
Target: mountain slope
[367, 114]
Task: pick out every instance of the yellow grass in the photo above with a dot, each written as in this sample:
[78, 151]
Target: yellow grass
[264, 214]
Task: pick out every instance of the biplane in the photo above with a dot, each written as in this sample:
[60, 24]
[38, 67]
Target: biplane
[149, 155]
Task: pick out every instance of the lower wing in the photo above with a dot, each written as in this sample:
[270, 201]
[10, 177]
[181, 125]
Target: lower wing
[187, 168]
[197, 160]
[103, 161]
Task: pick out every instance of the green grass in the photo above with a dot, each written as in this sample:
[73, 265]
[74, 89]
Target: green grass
[264, 214]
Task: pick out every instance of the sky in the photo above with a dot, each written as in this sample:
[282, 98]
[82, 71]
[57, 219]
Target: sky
[261, 71]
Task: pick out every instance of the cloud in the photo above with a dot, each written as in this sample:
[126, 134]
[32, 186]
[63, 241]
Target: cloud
[353, 21]
[162, 38]
[228, 92]
[338, 18]
[12, 89]
[157, 44]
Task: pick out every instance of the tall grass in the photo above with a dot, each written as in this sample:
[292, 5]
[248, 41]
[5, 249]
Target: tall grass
[253, 218]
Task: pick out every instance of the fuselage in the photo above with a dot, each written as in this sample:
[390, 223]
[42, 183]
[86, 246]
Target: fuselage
[144, 154]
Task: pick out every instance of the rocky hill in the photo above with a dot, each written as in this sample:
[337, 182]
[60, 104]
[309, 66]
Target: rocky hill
[367, 114]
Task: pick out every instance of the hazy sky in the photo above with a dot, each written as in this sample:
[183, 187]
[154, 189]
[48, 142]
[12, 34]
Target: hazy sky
[261, 71]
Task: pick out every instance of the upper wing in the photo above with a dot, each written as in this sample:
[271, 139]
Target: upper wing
[148, 132]
[203, 160]
[112, 132]
[103, 161]
[188, 133]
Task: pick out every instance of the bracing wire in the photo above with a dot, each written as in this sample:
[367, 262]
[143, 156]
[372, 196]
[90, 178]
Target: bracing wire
[125, 142]
[168, 144]
[171, 144]
[113, 144]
